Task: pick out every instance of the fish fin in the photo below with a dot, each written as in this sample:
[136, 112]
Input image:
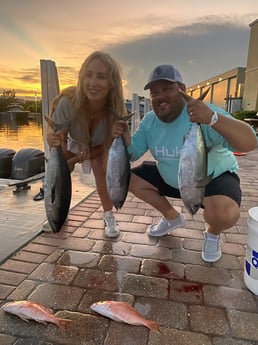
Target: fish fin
[47, 310]
[185, 96]
[193, 210]
[63, 323]
[41, 321]
[23, 318]
[204, 94]
[210, 177]
[53, 194]
[202, 183]
[126, 117]
[50, 122]
[188, 98]
[56, 126]
[153, 326]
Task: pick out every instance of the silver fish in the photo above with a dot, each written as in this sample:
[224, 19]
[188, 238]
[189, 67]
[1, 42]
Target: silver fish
[192, 171]
[57, 186]
[118, 172]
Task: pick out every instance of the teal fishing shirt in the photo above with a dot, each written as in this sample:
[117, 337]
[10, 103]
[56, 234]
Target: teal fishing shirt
[165, 141]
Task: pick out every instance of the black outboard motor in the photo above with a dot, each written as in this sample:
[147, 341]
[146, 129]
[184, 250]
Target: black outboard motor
[27, 162]
[6, 156]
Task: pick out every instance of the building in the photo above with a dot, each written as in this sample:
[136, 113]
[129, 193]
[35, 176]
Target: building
[250, 97]
[226, 89]
[236, 89]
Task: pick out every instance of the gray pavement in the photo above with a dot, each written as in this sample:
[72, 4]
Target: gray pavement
[165, 279]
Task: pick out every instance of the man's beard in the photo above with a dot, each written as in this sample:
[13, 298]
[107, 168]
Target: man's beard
[168, 118]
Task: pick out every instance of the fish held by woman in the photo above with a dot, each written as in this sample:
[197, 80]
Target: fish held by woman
[29, 310]
[118, 172]
[192, 172]
[123, 312]
[118, 169]
[57, 185]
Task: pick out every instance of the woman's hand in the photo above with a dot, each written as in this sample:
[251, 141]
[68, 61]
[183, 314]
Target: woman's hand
[73, 159]
[55, 139]
[121, 128]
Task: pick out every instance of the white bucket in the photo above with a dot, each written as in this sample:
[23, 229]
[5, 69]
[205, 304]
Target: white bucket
[251, 259]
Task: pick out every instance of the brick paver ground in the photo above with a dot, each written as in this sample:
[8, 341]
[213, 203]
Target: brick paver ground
[165, 279]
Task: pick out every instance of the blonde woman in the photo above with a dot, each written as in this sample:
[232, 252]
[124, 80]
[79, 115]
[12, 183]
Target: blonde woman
[89, 109]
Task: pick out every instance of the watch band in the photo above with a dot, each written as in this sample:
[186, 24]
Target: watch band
[214, 119]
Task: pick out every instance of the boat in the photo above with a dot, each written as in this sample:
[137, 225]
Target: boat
[6, 156]
[21, 167]
[27, 162]
[15, 111]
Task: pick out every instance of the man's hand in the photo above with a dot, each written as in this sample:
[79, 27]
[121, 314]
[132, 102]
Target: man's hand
[198, 111]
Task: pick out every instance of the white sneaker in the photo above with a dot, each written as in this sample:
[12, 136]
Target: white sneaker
[111, 228]
[165, 226]
[211, 251]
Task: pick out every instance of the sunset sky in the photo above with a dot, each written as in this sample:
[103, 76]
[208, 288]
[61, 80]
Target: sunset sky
[201, 38]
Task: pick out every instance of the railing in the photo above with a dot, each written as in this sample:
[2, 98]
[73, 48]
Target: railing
[253, 122]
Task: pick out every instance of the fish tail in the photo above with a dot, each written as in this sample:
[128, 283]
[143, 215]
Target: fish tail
[63, 323]
[56, 126]
[153, 326]
[50, 122]
[204, 181]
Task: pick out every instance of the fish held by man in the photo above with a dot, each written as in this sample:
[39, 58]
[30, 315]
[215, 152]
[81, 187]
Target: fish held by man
[57, 185]
[192, 172]
[29, 310]
[123, 312]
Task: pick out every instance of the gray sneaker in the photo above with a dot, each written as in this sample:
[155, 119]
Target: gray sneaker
[165, 226]
[111, 228]
[211, 251]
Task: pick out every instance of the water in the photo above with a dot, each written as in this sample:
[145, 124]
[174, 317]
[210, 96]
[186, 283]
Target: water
[22, 218]
[18, 134]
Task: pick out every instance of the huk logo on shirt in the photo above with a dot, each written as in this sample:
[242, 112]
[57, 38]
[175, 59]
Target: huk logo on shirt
[165, 152]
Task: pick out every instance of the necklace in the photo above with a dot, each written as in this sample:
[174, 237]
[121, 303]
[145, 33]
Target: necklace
[95, 115]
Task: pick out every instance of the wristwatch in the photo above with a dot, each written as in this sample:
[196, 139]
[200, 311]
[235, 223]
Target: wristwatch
[214, 119]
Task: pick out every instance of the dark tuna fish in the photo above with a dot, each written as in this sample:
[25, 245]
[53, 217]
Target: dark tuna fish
[57, 186]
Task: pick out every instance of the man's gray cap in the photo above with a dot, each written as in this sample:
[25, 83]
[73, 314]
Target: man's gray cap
[164, 72]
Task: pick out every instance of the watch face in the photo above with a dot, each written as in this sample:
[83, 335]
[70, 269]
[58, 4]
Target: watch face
[214, 118]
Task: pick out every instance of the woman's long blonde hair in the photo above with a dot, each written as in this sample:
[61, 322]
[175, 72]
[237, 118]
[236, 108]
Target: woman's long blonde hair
[115, 105]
